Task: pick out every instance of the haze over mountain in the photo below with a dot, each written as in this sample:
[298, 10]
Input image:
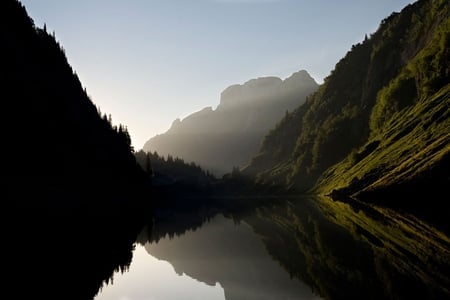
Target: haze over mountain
[230, 135]
[380, 123]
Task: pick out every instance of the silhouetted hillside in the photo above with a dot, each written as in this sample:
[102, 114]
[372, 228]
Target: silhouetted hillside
[171, 171]
[70, 184]
[230, 135]
[58, 145]
[382, 116]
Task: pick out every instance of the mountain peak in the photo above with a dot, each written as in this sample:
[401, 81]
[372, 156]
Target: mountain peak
[300, 75]
[260, 89]
[231, 134]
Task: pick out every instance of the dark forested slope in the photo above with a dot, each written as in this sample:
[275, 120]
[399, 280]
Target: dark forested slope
[69, 180]
[60, 152]
[382, 114]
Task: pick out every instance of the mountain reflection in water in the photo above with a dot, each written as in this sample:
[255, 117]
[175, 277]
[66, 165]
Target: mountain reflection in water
[232, 255]
[304, 249]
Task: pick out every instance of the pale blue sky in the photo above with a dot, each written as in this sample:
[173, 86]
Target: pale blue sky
[148, 62]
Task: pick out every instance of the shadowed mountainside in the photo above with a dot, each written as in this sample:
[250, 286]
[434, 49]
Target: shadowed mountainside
[59, 145]
[70, 184]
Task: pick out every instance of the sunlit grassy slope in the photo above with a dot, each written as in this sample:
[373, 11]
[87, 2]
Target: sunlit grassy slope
[379, 124]
[414, 144]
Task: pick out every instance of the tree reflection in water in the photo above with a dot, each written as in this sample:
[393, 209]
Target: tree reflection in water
[340, 250]
[330, 249]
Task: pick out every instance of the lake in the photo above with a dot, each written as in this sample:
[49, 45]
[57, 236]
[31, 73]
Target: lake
[296, 248]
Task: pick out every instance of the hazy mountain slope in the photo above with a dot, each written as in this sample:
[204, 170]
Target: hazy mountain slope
[230, 135]
[383, 89]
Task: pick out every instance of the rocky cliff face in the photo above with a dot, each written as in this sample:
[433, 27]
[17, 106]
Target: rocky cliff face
[231, 134]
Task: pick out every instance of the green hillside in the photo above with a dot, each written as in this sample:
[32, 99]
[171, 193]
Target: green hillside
[410, 154]
[379, 121]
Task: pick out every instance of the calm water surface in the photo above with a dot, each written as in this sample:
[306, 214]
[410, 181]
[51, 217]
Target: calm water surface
[220, 260]
[290, 249]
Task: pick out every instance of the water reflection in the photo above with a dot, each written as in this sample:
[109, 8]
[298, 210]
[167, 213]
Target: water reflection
[233, 256]
[304, 249]
[64, 256]
[356, 252]
[150, 278]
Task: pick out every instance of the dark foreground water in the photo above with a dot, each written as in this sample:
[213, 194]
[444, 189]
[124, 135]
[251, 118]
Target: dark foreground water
[296, 248]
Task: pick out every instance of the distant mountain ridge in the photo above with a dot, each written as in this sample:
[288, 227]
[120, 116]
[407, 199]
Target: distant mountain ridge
[231, 134]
